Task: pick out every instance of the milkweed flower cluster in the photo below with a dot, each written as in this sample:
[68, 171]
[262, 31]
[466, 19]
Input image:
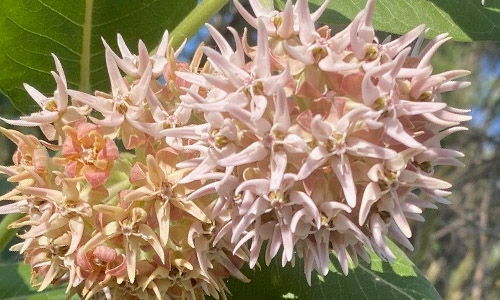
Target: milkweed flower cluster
[306, 143]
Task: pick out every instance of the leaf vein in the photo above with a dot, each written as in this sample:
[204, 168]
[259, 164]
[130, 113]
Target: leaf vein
[25, 65]
[360, 286]
[42, 36]
[125, 16]
[386, 282]
[59, 13]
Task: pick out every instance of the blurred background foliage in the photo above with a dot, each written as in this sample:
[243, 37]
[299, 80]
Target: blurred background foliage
[458, 246]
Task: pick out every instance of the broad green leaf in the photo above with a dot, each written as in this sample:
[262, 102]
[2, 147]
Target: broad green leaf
[15, 285]
[7, 234]
[30, 30]
[378, 280]
[464, 20]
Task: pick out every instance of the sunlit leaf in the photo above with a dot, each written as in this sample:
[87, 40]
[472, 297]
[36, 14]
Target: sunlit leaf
[378, 280]
[464, 20]
[31, 30]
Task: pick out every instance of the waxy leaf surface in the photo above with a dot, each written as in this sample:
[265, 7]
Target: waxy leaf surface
[464, 20]
[33, 29]
[378, 280]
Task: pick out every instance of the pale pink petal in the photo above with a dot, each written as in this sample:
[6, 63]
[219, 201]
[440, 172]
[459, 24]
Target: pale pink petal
[394, 47]
[143, 60]
[131, 258]
[153, 240]
[306, 24]
[378, 226]
[234, 74]
[286, 29]
[259, 186]
[255, 152]
[42, 117]
[288, 243]
[399, 218]
[221, 42]
[112, 120]
[370, 91]
[84, 98]
[431, 48]
[359, 147]
[20, 122]
[412, 178]
[278, 167]
[261, 63]
[299, 53]
[316, 159]
[417, 108]
[315, 15]
[342, 169]
[35, 94]
[370, 196]
[139, 91]
[321, 130]
[76, 225]
[275, 244]
[294, 144]
[396, 234]
[281, 118]
[332, 208]
[118, 85]
[59, 69]
[245, 14]
[395, 129]
[60, 95]
[258, 107]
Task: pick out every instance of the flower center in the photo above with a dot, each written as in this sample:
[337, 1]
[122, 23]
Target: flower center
[88, 155]
[51, 105]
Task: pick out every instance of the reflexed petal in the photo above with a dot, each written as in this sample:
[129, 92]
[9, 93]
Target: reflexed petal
[342, 169]
[394, 129]
[261, 61]
[278, 166]
[316, 159]
[254, 152]
[363, 148]
[117, 82]
[320, 129]
[370, 196]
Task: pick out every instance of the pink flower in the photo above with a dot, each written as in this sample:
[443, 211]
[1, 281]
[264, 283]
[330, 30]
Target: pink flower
[86, 152]
[98, 267]
[123, 107]
[286, 24]
[136, 65]
[55, 110]
[333, 147]
[307, 142]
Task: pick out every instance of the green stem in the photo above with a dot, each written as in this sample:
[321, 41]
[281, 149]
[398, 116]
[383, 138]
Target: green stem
[192, 22]
[84, 84]
[7, 234]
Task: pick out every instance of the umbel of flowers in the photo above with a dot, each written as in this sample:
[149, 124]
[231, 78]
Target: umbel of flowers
[306, 143]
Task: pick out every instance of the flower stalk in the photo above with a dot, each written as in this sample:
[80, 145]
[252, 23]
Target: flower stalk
[190, 25]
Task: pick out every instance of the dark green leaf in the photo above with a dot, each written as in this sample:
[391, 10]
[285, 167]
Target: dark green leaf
[15, 285]
[464, 20]
[33, 29]
[378, 280]
[6, 233]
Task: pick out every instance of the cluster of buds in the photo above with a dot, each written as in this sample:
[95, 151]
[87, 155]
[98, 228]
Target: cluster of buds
[304, 144]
